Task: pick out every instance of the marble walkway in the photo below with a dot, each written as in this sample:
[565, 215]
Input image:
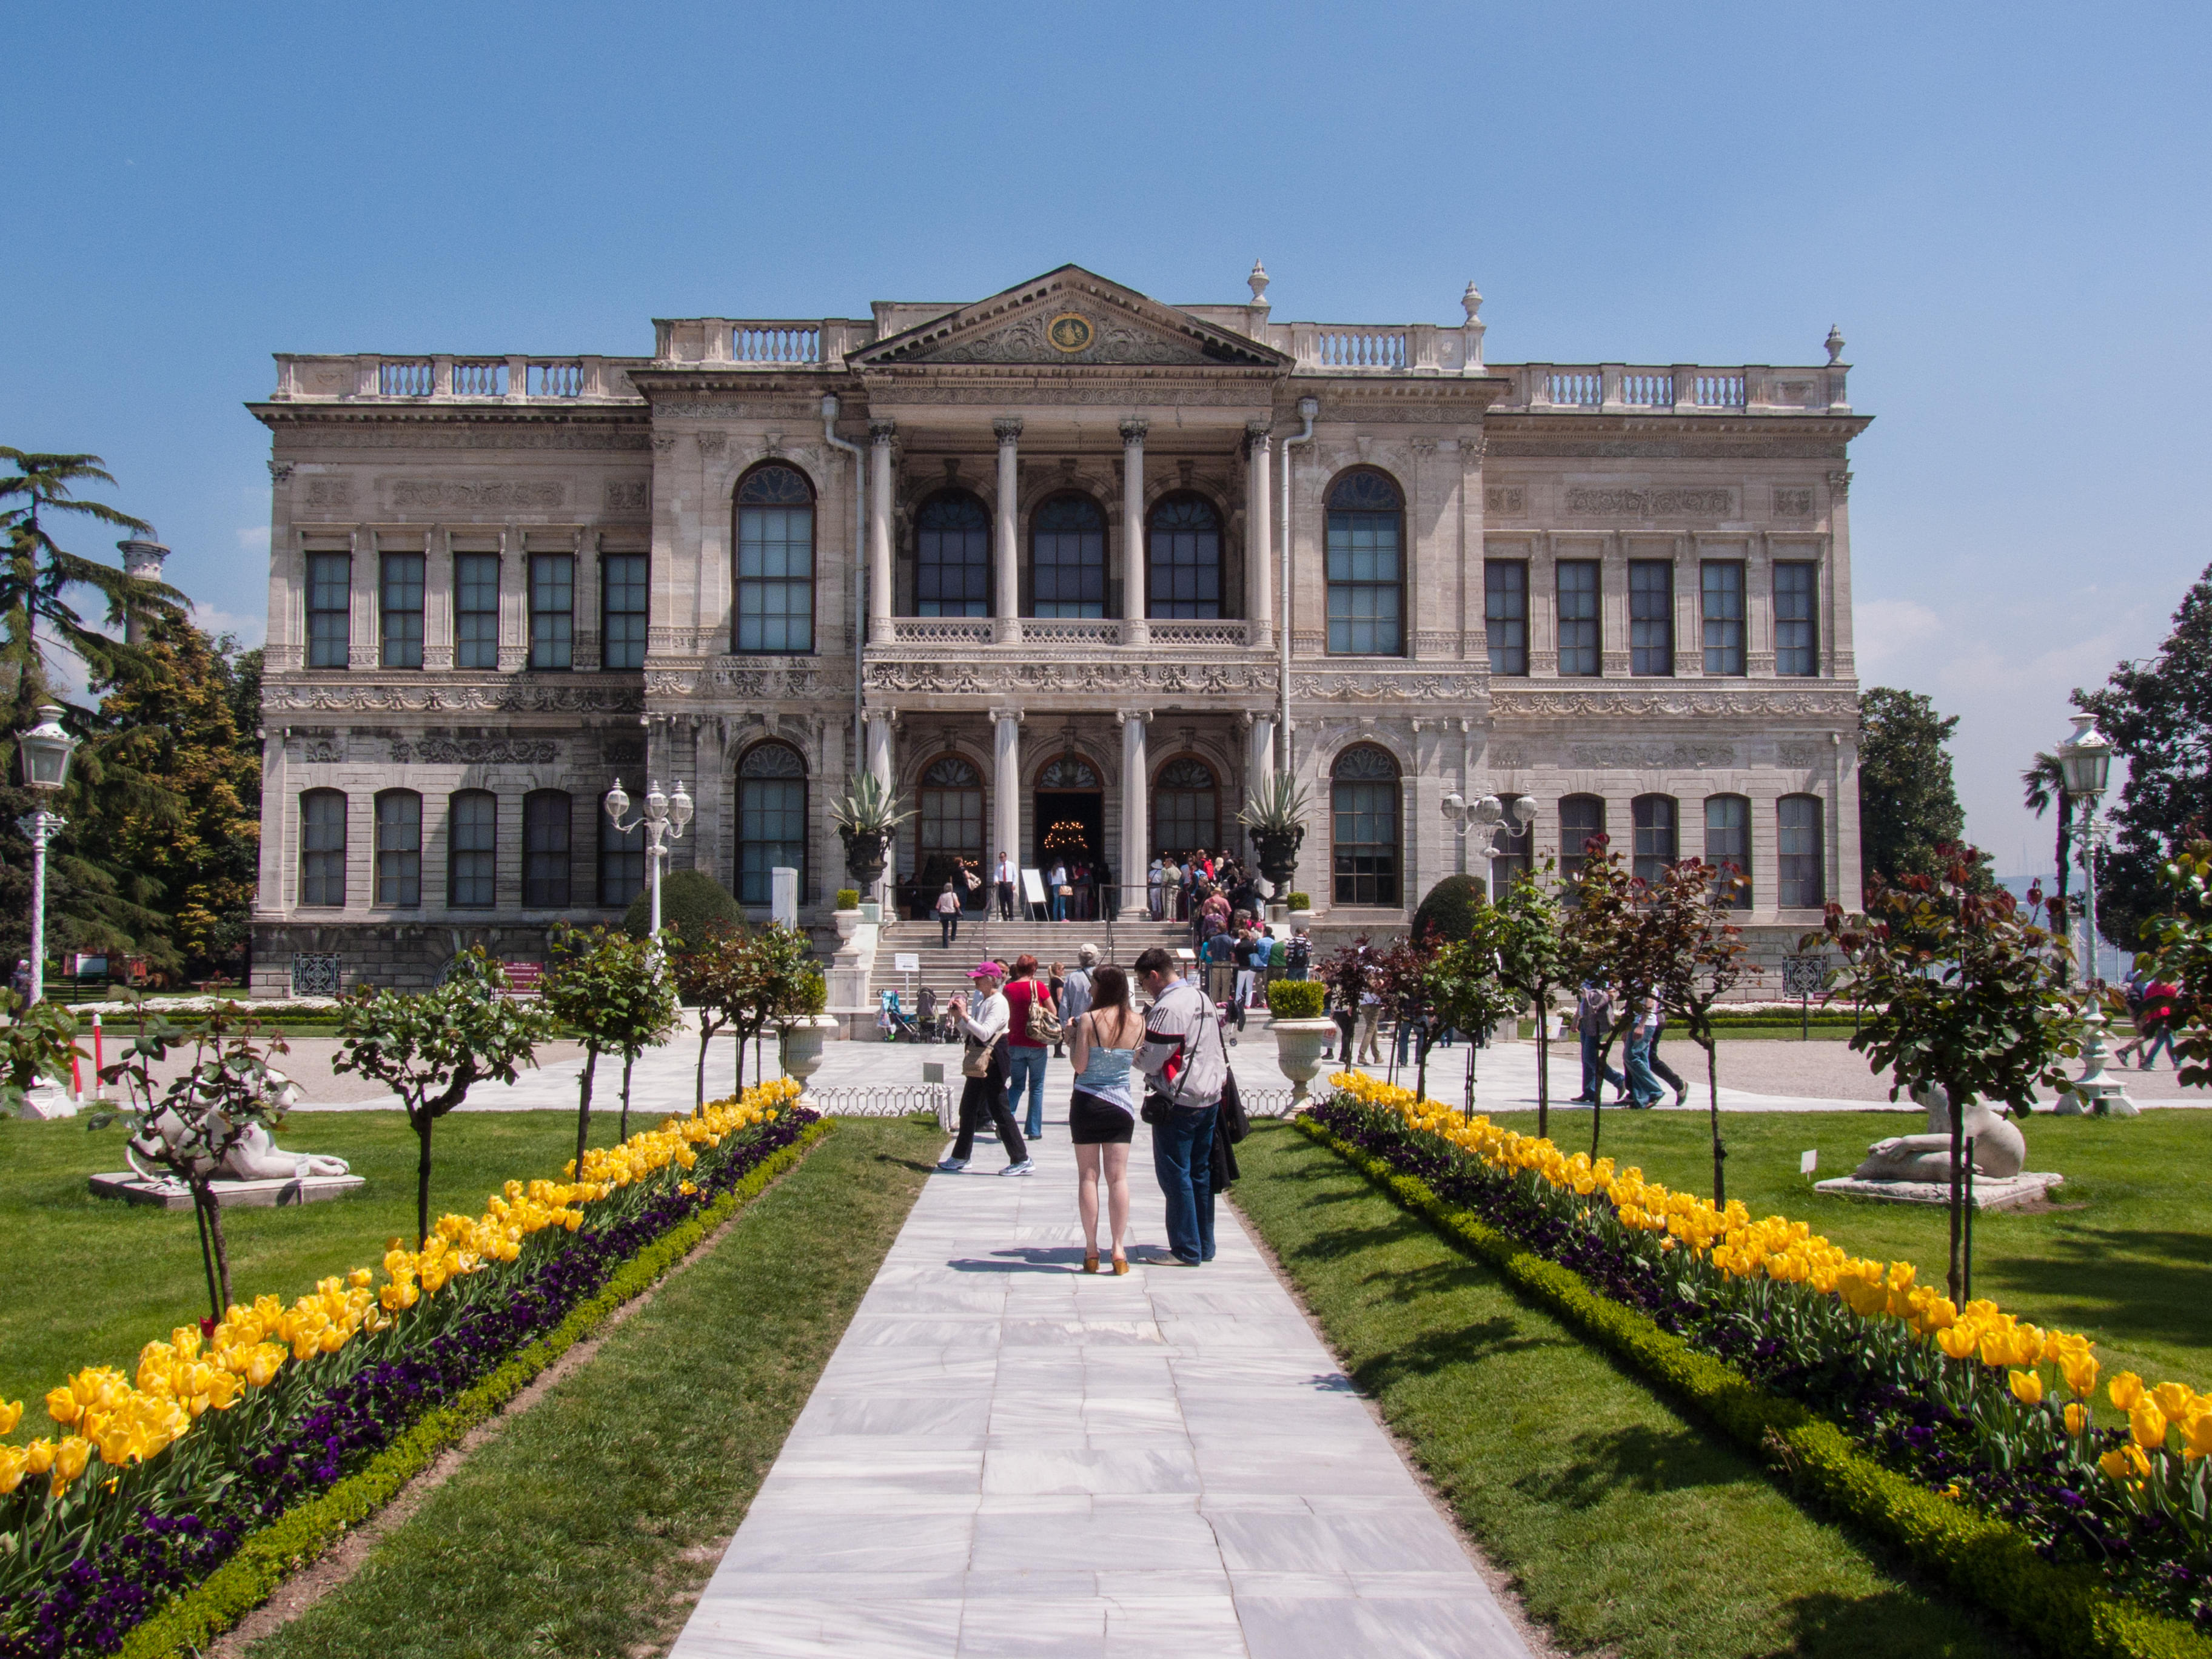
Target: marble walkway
[1007, 1457]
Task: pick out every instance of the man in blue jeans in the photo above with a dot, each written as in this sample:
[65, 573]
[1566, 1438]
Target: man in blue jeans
[1594, 1020]
[1185, 1060]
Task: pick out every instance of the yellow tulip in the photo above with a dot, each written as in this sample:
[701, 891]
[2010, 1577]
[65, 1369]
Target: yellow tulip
[2123, 1462]
[2124, 1390]
[11, 1469]
[2174, 1399]
[2147, 1425]
[2079, 1370]
[1957, 1341]
[11, 1414]
[38, 1456]
[359, 1278]
[2077, 1417]
[70, 1459]
[2196, 1436]
[63, 1406]
[2027, 1388]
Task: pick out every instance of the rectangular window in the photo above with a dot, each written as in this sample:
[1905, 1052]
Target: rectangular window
[545, 850]
[399, 848]
[1727, 843]
[1578, 628]
[1366, 596]
[322, 848]
[1511, 848]
[1581, 820]
[552, 610]
[1800, 886]
[1722, 589]
[622, 863]
[1650, 617]
[776, 579]
[1655, 822]
[403, 610]
[1796, 644]
[621, 609]
[472, 827]
[475, 610]
[1505, 614]
[330, 578]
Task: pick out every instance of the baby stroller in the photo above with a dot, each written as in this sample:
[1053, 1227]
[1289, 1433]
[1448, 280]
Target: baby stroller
[932, 1023]
[895, 1022]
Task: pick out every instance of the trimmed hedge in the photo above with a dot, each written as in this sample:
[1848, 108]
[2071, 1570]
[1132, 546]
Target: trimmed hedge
[692, 904]
[299, 1535]
[1297, 999]
[1449, 912]
[2064, 1610]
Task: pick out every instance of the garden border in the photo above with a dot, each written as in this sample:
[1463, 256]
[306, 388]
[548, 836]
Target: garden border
[2061, 1610]
[298, 1537]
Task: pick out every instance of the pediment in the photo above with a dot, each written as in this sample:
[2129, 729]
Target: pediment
[1070, 319]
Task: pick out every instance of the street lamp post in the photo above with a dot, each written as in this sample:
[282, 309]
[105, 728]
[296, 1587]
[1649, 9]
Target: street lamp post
[663, 819]
[2085, 764]
[1487, 814]
[46, 750]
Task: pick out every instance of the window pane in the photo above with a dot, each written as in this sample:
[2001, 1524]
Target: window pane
[775, 577]
[1186, 807]
[1656, 841]
[771, 831]
[622, 863]
[1505, 611]
[1184, 578]
[552, 610]
[399, 848]
[952, 563]
[1578, 624]
[545, 817]
[1723, 590]
[1802, 853]
[329, 577]
[1581, 818]
[1067, 558]
[623, 610]
[1727, 843]
[322, 848]
[1364, 827]
[472, 824]
[1364, 569]
[475, 610]
[1650, 617]
[1796, 645]
[403, 610]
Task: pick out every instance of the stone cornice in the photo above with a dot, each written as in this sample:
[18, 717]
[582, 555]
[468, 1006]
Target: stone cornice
[1826, 700]
[1671, 437]
[596, 694]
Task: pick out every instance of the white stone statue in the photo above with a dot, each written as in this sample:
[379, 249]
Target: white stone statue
[256, 1157]
[2000, 1149]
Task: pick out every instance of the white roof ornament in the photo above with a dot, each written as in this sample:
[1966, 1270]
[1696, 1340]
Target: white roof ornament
[1471, 301]
[1257, 282]
[1835, 343]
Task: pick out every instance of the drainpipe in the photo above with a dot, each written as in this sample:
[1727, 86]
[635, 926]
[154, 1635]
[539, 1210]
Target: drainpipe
[860, 568]
[1308, 408]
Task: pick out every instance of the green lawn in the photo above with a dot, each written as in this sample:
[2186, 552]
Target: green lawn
[2125, 1257]
[1628, 1530]
[93, 1280]
[587, 1525]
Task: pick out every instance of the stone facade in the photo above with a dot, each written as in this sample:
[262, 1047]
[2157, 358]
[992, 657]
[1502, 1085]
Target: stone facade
[774, 553]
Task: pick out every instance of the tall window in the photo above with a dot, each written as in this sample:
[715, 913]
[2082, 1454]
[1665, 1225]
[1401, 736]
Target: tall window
[1505, 614]
[323, 848]
[1797, 645]
[1186, 806]
[552, 610]
[1727, 843]
[1511, 855]
[1650, 617]
[1363, 826]
[1657, 835]
[1578, 629]
[545, 817]
[1366, 568]
[1799, 883]
[951, 825]
[622, 863]
[621, 609]
[472, 836]
[475, 610]
[403, 610]
[329, 576]
[399, 848]
[1581, 820]
[1183, 576]
[952, 556]
[775, 561]
[771, 819]
[1067, 558]
[1722, 598]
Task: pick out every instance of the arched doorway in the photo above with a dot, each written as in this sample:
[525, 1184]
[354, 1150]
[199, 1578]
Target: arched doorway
[949, 834]
[771, 821]
[1364, 845]
[1186, 808]
[1069, 824]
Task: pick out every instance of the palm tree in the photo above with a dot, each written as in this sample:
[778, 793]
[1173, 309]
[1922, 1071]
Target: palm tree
[2045, 785]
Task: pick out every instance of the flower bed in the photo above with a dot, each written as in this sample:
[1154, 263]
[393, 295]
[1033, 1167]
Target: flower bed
[1981, 1412]
[159, 1481]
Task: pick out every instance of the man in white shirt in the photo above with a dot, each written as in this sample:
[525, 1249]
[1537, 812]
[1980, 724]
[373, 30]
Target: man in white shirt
[1185, 1060]
[985, 1097]
[1006, 880]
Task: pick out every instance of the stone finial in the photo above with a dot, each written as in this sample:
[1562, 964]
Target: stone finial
[1471, 301]
[1257, 282]
[1835, 343]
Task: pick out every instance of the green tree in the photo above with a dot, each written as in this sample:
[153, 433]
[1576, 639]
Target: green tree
[616, 993]
[1603, 944]
[1464, 985]
[1696, 954]
[430, 1048]
[1908, 804]
[775, 981]
[1449, 912]
[2180, 942]
[692, 905]
[710, 978]
[2043, 786]
[1523, 933]
[2158, 716]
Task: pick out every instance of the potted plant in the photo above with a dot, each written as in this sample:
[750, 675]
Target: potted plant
[804, 1033]
[1300, 1031]
[867, 817]
[846, 915]
[1275, 816]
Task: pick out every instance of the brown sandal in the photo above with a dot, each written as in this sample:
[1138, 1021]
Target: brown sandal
[1090, 1261]
[1120, 1262]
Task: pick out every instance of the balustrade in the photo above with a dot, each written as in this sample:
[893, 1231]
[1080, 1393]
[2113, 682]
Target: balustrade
[1644, 389]
[775, 343]
[1576, 388]
[1176, 634]
[560, 378]
[479, 376]
[405, 377]
[1341, 347]
[1716, 389]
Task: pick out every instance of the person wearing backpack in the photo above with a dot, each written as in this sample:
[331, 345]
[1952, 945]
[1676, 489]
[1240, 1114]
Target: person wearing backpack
[1032, 1027]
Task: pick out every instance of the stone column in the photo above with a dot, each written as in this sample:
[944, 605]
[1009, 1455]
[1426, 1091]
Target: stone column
[1005, 788]
[878, 764]
[1136, 806]
[881, 592]
[1006, 553]
[1135, 630]
[1259, 755]
[141, 561]
[1259, 540]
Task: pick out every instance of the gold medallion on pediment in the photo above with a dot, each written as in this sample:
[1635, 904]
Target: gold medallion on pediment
[1069, 332]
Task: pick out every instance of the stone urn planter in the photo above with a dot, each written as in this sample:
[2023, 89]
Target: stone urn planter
[1278, 852]
[1299, 1043]
[864, 855]
[845, 921]
[800, 1048]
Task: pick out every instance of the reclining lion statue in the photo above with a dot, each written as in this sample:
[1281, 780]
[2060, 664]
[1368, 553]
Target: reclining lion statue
[2000, 1149]
[256, 1157]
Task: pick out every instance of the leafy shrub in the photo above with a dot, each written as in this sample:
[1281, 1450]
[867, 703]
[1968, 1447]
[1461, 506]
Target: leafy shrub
[691, 902]
[1446, 915]
[1297, 999]
[813, 994]
[849, 898]
[1298, 902]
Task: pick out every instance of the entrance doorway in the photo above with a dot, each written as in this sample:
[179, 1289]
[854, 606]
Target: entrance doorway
[1069, 825]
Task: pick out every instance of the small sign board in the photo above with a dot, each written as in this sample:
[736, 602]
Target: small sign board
[933, 1071]
[906, 962]
[1804, 975]
[1808, 1161]
[1033, 888]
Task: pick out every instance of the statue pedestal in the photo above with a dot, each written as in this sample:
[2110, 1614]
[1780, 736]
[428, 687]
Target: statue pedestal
[134, 1188]
[1990, 1191]
[2092, 1093]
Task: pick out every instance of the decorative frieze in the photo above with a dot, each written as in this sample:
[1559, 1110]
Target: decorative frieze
[1792, 503]
[1679, 756]
[533, 698]
[1651, 504]
[477, 493]
[1682, 701]
[626, 494]
[346, 434]
[1510, 498]
[1397, 687]
[329, 493]
[434, 750]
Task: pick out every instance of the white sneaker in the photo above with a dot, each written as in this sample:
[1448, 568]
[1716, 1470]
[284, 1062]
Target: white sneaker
[1021, 1169]
[952, 1166]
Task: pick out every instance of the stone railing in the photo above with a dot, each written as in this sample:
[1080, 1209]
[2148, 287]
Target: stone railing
[1171, 633]
[441, 377]
[782, 343]
[942, 630]
[1181, 631]
[1678, 389]
[1381, 348]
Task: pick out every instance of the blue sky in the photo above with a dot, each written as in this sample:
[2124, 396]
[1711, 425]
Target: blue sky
[2004, 208]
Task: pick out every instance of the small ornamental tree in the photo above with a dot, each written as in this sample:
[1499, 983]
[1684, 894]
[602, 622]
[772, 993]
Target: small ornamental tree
[1603, 946]
[614, 991]
[2180, 948]
[1963, 992]
[430, 1048]
[1696, 954]
[37, 1043]
[1401, 976]
[777, 981]
[189, 1126]
[710, 978]
[1522, 933]
[1463, 983]
[1350, 972]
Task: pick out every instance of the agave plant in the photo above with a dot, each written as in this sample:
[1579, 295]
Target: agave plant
[1275, 815]
[866, 816]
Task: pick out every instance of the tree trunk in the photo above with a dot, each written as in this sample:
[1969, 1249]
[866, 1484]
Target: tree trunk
[221, 1248]
[1956, 1283]
[699, 1087]
[206, 1249]
[583, 1105]
[1713, 1093]
[628, 1060]
[423, 1126]
[1543, 1069]
[742, 1040]
[1421, 1063]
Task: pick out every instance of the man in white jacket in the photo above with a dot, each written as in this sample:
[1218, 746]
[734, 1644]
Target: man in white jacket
[1185, 1060]
[985, 1096]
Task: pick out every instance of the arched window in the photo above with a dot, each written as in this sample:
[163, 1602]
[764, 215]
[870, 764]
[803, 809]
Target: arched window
[771, 819]
[1067, 558]
[952, 563]
[471, 839]
[1366, 565]
[1728, 843]
[775, 560]
[1068, 772]
[399, 848]
[1581, 819]
[1186, 807]
[323, 848]
[1658, 834]
[545, 820]
[1363, 826]
[1183, 576]
[949, 830]
[1799, 884]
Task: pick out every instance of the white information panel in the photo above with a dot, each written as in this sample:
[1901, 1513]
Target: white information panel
[906, 962]
[1033, 888]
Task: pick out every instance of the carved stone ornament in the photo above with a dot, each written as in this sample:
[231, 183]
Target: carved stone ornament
[1584, 705]
[1505, 498]
[1092, 678]
[330, 492]
[487, 492]
[1801, 755]
[1682, 756]
[419, 699]
[1792, 503]
[1652, 503]
[1379, 687]
[279, 471]
[325, 752]
[1839, 483]
[712, 443]
[433, 750]
[626, 494]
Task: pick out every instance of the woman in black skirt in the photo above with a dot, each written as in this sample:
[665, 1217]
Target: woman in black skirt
[1102, 1113]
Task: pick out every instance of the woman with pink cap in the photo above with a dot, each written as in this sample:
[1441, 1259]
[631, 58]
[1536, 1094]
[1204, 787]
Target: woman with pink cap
[985, 1066]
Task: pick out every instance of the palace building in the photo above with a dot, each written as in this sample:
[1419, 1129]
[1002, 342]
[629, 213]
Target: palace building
[1072, 569]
